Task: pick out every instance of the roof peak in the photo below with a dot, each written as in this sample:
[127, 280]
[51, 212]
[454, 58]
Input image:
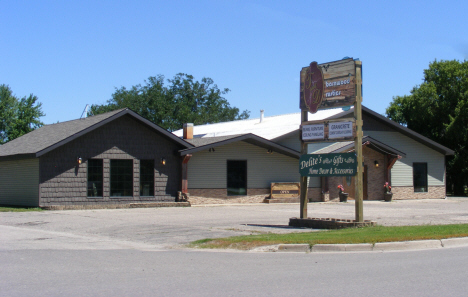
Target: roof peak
[92, 117]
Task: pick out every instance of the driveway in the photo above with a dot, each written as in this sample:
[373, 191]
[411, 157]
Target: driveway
[165, 228]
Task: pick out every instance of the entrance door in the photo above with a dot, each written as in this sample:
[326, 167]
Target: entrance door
[349, 184]
[236, 178]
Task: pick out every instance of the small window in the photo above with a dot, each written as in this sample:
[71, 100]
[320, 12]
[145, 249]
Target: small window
[420, 177]
[236, 178]
[121, 178]
[146, 177]
[95, 178]
[348, 180]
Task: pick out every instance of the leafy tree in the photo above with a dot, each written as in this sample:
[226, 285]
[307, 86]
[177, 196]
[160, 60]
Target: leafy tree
[438, 109]
[17, 116]
[184, 100]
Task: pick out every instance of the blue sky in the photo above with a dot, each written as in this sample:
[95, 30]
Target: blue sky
[73, 53]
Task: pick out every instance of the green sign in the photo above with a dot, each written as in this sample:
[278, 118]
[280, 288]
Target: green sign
[328, 164]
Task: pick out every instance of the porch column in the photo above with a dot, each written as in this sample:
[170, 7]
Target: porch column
[184, 173]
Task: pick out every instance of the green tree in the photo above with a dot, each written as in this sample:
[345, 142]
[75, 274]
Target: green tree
[184, 100]
[17, 116]
[438, 109]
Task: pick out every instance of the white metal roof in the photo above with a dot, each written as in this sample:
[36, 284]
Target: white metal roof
[270, 128]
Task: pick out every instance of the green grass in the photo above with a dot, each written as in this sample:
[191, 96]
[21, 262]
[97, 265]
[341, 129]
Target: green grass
[19, 209]
[350, 235]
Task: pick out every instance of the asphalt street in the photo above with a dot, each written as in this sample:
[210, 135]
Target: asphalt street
[140, 252]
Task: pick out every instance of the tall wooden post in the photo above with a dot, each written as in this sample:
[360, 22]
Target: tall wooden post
[304, 118]
[358, 144]
[185, 173]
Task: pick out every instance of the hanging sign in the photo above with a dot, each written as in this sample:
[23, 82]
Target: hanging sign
[328, 85]
[313, 132]
[329, 130]
[313, 87]
[344, 164]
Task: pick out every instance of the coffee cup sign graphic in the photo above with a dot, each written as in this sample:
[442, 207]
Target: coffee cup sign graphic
[313, 87]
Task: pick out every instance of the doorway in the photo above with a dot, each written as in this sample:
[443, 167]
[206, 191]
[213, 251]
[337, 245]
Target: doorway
[349, 183]
[236, 178]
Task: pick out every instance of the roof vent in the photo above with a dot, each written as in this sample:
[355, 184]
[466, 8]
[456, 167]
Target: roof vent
[261, 115]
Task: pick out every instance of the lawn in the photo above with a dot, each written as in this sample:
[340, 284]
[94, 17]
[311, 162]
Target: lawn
[350, 235]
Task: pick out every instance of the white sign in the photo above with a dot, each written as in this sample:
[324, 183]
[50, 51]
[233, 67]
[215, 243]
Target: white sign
[340, 130]
[313, 132]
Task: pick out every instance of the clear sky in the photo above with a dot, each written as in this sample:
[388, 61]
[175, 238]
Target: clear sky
[73, 53]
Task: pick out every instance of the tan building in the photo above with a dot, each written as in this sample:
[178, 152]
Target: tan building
[120, 158]
[227, 165]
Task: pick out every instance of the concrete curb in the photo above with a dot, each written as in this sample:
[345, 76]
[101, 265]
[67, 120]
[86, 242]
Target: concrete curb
[297, 248]
[455, 242]
[407, 245]
[368, 247]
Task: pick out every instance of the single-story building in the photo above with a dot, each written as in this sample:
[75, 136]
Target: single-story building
[226, 163]
[120, 158]
[109, 159]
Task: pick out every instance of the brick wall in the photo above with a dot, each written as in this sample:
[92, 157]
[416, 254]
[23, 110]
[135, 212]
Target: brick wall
[219, 196]
[375, 177]
[199, 200]
[222, 193]
[433, 192]
[315, 195]
[63, 182]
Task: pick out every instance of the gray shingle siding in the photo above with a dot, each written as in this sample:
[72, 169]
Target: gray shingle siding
[62, 182]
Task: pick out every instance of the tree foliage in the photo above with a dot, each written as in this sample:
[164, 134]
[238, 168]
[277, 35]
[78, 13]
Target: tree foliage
[18, 116]
[183, 100]
[438, 109]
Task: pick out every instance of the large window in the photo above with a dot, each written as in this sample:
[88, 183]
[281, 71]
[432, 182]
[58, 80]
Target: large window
[121, 178]
[420, 177]
[236, 178]
[95, 178]
[146, 177]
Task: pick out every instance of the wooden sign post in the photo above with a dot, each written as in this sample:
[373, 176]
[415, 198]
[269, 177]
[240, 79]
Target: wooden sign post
[331, 85]
[358, 144]
[303, 200]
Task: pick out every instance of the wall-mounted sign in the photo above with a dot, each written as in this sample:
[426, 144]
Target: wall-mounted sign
[329, 130]
[344, 164]
[333, 82]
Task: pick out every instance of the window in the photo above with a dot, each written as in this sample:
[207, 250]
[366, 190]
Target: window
[420, 177]
[121, 178]
[95, 178]
[146, 177]
[236, 178]
[348, 180]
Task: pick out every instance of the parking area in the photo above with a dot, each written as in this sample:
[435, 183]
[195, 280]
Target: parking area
[165, 228]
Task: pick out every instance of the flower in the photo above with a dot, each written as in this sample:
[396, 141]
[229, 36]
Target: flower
[341, 188]
[387, 188]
